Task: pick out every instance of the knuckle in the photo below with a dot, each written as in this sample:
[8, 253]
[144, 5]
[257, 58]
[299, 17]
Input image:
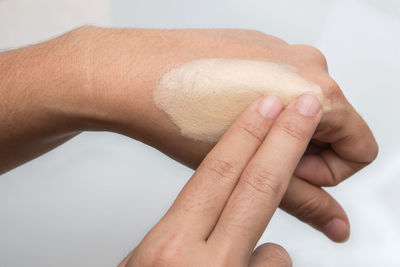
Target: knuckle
[293, 129]
[331, 86]
[220, 168]
[373, 152]
[338, 175]
[318, 54]
[337, 178]
[262, 180]
[312, 209]
[251, 129]
[313, 52]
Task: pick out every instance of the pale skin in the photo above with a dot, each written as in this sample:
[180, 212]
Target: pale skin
[98, 79]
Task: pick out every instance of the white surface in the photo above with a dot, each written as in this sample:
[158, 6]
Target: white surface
[90, 201]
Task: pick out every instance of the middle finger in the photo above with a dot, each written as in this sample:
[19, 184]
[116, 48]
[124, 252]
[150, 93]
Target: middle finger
[265, 178]
[200, 203]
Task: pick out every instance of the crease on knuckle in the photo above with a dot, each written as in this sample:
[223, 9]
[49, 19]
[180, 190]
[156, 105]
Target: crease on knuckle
[335, 180]
[221, 168]
[263, 181]
[294, 130]
[250, 129]
[337, 175]
[310, 210]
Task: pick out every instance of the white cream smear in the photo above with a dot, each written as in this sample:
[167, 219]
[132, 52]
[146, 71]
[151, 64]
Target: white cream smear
[204, 97]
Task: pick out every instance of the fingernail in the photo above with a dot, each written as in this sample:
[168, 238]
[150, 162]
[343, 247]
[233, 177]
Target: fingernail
[337, 230]
[270, 106]
[308, 105]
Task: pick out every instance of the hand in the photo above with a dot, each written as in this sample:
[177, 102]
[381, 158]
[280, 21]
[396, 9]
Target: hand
[126, 65]
[225, 207]
[103, 79]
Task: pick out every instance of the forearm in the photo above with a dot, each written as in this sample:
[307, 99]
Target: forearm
[38, 100]
[52, 91]
[104, 79]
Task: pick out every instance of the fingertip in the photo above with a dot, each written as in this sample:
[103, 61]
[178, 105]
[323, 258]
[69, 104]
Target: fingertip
[308, 105]
[337, 230]
[270, 254]
[270, 106]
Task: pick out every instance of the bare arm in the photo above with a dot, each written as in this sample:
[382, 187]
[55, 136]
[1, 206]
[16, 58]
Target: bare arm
[104, 79]
[38, 90]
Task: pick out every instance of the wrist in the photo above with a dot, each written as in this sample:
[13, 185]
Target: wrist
[42, 104]
[118, 87]
[50, 81]
[67, 87]
[70, 96]
[37, 79]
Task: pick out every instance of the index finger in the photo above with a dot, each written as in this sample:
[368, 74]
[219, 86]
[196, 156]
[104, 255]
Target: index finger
[200, 203]
[265, 179]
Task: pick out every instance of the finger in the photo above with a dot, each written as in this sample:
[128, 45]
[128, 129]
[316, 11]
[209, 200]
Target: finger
[326, 168]
[270, 254]
[317, 208]
[201, 201]
[352, 147]
[355, 141]
[266, 177]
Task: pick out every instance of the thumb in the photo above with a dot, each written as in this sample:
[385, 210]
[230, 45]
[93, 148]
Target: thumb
[270, 255]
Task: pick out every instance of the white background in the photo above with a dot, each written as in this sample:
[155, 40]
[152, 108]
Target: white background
[90, 201]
